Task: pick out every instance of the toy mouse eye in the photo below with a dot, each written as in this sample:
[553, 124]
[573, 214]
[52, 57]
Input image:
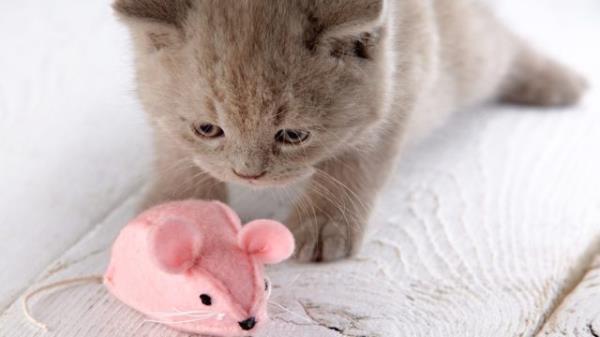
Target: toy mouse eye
[206, 300]
[267, 285]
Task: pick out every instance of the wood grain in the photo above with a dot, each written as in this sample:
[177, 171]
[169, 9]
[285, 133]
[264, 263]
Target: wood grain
[483, 232]
[476, 236]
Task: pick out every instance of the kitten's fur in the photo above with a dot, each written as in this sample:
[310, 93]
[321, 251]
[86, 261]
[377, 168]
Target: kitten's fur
[363, 76]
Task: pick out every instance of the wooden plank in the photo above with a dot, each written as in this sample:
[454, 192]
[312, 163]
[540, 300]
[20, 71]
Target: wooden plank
[579, 313]
[476, 236]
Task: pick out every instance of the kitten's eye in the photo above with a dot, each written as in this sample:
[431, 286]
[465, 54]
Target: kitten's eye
[291, 137]
[206, 300]
[207, 130]
[360, 48]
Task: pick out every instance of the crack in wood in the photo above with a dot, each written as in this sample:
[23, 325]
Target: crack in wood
[592, 331]
[352, 318]
[317, 321]
[581, 267]
[292, 322]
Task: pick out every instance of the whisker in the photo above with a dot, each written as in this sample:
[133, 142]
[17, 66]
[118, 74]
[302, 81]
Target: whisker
[352, 195]
[296, 278]
[175, 322]
[291, 312]
[196, 316]
[178, 314]
[219, 315]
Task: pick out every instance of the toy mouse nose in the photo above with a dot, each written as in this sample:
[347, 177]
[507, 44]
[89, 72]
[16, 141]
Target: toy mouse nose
[248, 324]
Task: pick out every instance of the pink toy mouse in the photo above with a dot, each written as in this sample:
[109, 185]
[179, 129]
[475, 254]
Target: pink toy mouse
[192, 266]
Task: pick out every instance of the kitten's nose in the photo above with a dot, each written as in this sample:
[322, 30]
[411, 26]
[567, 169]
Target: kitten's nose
[250, 176]
[248, 324]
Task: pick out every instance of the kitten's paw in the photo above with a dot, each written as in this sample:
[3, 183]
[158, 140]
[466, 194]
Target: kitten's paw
[321, 240]
[335, 242]
[306, 235]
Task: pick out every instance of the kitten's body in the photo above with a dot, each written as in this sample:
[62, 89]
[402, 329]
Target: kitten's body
[363, 76]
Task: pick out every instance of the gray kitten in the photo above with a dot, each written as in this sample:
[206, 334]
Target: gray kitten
[267, 92]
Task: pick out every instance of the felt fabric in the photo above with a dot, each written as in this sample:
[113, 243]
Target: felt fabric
[191, 265]
[266, 240]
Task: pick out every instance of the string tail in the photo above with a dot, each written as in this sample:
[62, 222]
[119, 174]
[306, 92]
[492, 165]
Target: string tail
[27, 297]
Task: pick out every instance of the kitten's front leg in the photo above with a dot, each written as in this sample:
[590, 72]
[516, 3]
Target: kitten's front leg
[176, 177]
[193, 184]
[329, 220]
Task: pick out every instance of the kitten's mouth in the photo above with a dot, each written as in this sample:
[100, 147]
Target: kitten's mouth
[249, 177]
[264, 180]
[260, 181]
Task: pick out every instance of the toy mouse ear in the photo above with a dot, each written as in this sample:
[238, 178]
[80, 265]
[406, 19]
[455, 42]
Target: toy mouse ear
[268, 241]
[175, 245]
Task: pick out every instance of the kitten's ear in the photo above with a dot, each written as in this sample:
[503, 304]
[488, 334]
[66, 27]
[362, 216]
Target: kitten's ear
[347, 17]
[171, 12]
[345, 27]
[154, 24]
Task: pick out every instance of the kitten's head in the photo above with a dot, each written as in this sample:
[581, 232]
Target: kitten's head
[260, 91]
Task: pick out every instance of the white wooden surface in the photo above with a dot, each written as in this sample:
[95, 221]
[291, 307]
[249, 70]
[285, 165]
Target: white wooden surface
[487, 229]
[579, 313]
[66, 111]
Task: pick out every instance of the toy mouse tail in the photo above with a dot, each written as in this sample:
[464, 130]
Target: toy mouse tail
[67, 282]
